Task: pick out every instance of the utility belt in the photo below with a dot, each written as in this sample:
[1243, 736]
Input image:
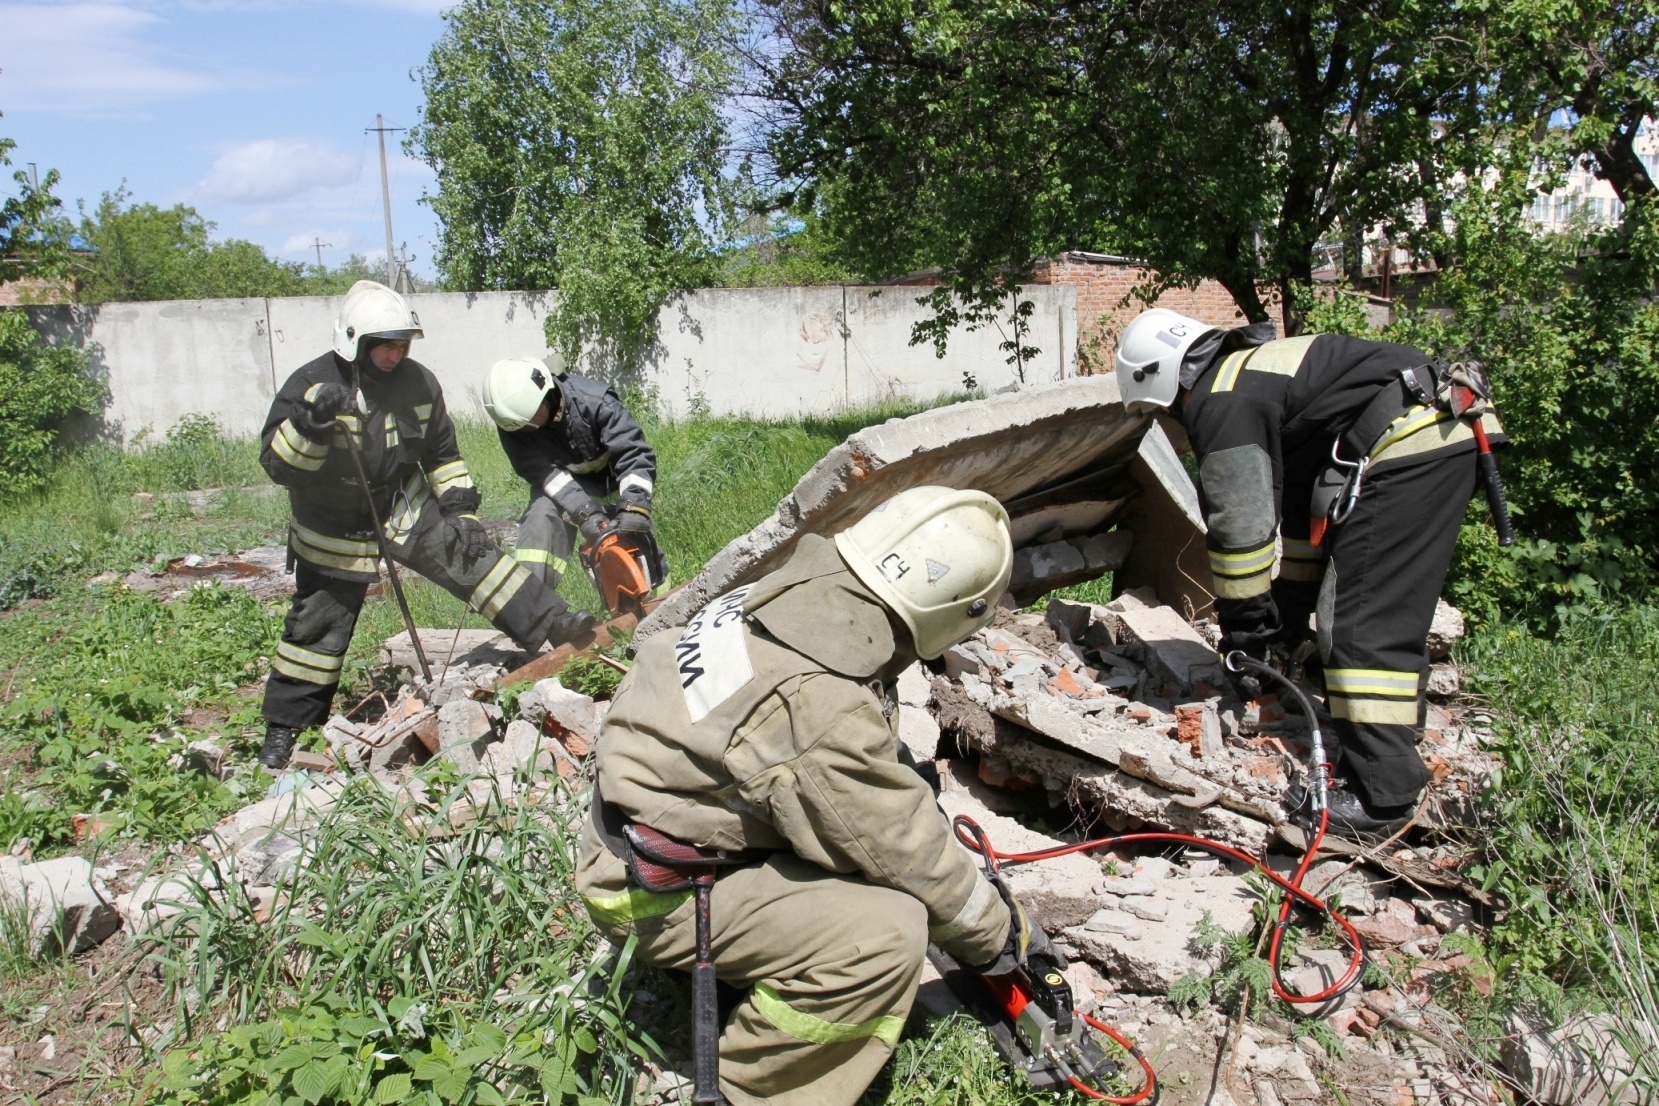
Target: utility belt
[657, 862]
[1435, 406]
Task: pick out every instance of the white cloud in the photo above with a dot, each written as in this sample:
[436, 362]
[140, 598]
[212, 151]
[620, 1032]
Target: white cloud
[272, 169]
[84, 58]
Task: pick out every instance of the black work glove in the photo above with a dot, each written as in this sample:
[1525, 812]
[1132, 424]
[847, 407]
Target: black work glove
[1025, 938]
[634, 519]
[319, 412]
[460, 501]
[594, 527]
[465, 536]
[1251, 626]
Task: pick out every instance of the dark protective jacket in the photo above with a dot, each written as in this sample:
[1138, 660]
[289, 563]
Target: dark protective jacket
[1263, 421]
[591, 449]
[409, 454]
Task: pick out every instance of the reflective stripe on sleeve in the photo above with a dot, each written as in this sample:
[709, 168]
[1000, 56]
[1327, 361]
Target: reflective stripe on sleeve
[296, 450]
[1302, 560]
[632, 905]
[452, 474]
[635, 480]
[423, 412]
[305, 664]
[968, 917]
[815, 1030]
[557, 482]
[1241, 575]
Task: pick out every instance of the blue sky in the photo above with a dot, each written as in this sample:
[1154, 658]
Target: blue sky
[251, 111]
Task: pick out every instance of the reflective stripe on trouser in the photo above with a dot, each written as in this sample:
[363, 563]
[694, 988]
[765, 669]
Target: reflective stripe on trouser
[325, 609]
[545, 541]
[831, 963]
[1388, 562]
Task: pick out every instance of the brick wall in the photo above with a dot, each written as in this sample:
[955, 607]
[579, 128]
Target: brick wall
[1103, 283]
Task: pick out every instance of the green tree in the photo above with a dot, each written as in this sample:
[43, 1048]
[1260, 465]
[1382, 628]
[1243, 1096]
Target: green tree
[1222, 138]
[41, 387]
[32, 243]
[581, 146]
[782, 251]
[144, 252]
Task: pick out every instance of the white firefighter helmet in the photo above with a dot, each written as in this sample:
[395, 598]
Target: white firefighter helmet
[515, 388]
[939, 558]
[372, 310]
[1150, 354]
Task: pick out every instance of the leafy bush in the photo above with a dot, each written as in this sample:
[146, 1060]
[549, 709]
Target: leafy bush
[40, 387]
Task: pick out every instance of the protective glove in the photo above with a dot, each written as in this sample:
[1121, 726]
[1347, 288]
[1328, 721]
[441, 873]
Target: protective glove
[319, 412]
[1025, 938]
[466, 537]
[1251, 626]
[594, 527]
[634, 519]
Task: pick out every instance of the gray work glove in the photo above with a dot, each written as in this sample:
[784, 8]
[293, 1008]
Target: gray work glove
[466, 537]
[594, 527]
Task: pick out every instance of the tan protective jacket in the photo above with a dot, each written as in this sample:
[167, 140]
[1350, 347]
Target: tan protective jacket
[771, 721]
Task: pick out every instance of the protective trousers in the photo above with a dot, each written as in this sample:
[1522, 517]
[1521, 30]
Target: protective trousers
[1387, 564]
[831, 962]
[308, 662]
[546, 542]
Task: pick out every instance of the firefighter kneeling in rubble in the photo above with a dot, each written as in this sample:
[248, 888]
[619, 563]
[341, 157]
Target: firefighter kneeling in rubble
[393, 408]
[770, 723]
[1359, 459]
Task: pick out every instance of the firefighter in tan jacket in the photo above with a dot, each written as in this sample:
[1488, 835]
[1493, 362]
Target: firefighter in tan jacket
[770, 721]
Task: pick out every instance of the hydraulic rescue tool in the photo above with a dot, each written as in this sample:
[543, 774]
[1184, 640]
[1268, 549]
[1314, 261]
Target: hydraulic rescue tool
[385, 551]
[1028, 1012]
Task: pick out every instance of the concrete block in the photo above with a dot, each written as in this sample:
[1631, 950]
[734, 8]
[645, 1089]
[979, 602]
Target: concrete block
[522, 748]
[1320, 970]
[914, 685]
[472, 649]
[1059, 892]
[1446, 915]
[1445, 681]
[463, 732]
[1175, 652]
[1144, 944]
[63, 905]
[1105, 552]
[1008, 445]
[1445, 631]
[1579, 1063]
[918, 732]
[568, 715]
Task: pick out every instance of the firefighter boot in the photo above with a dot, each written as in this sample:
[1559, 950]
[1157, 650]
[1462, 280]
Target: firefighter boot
[1351, 816]
[278, 747]
[570, 626]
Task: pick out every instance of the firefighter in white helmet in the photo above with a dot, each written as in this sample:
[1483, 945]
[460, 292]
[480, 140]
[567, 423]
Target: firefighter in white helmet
[587, 462]
[769, 722]
[1335, 473]
[369, 387]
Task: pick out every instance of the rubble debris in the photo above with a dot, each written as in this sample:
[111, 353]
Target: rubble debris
[559, 712]
[1040, 569]
[1580, 1063]
[452, 649]
[262, 570]
[464, 729]
[1058, 893]
[1445, 631]
[62, 904]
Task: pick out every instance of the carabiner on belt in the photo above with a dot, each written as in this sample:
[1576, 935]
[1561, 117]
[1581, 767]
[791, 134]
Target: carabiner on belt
[1343, 506]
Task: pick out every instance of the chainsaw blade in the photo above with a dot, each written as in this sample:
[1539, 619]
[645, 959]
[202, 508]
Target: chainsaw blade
[1084, 1054]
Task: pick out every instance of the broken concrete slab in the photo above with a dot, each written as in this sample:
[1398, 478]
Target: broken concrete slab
[521, 749]
[1150, 954]
[918, 732]
[464, 729]
[1169, 554]
[1071, 435]
[568, 715]
[1580, 1063]
[1445, 631]
[61, 904]
[1058, 892]
[471, 649]
[1172, 650]
[1040, 569]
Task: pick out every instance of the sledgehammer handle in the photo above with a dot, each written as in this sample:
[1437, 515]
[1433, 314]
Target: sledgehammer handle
[705, 1004]
[1494, 487]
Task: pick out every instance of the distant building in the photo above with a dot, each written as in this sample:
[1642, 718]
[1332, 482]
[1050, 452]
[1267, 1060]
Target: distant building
[1587, 199]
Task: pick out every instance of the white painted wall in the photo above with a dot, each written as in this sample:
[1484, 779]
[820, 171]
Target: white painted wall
[762, 351]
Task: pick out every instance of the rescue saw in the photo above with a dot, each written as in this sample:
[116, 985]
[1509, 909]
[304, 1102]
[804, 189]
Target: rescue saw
[1029, 1016]
[622, 571]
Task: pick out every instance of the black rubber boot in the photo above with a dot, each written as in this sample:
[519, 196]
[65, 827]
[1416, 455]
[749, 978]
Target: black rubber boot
[278, 747]
[1351, 817]
[570, 626]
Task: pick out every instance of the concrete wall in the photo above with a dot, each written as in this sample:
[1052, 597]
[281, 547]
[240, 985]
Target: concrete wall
[763, 351]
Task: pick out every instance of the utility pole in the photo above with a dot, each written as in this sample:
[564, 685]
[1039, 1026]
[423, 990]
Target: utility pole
[380, 129]
[319, 245]
[406, 279]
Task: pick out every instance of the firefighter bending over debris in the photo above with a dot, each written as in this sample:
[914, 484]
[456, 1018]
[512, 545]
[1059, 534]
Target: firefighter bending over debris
[768, 728]
[367, 386]
[575, 444]
[1360, 458]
